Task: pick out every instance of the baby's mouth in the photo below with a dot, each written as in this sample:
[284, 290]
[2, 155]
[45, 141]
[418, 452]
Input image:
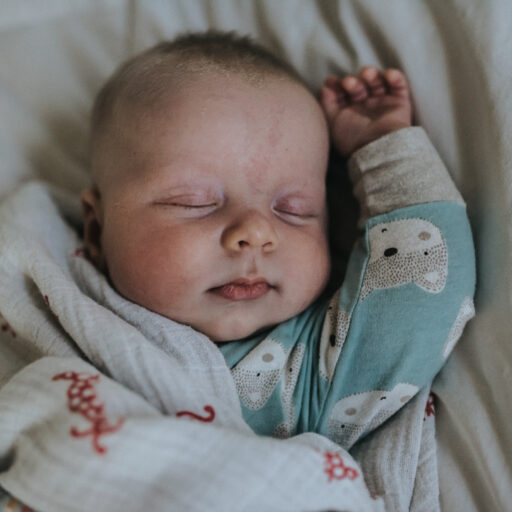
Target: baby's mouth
[243, 289]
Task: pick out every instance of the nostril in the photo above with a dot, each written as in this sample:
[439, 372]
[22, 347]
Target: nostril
[268, 246]
[390, 252]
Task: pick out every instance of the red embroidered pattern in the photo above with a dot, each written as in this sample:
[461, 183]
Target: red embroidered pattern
[429, 408]
[5, 327]
[82, 399]
[336, 469]
[207, 408]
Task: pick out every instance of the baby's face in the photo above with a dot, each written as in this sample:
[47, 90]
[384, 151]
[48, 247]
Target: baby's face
[213, 208]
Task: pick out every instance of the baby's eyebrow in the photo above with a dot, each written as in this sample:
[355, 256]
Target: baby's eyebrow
[176, 175]
[300, 194]
[188, 187]
[294, 199]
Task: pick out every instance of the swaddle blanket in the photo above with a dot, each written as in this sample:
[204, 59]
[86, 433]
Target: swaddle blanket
[107, 406]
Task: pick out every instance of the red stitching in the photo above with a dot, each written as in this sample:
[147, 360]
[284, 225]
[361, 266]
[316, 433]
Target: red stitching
[208, 409]
[336, 469]
[430, 409]
[82, 399]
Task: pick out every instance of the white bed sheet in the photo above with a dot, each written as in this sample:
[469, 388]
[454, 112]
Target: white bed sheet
[55, 54]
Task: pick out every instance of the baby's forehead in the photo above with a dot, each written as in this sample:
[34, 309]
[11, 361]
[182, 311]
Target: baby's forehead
[147, 99]
[144, 96]
[158, 96]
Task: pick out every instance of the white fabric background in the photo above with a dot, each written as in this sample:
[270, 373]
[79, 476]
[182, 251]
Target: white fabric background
[54, 55]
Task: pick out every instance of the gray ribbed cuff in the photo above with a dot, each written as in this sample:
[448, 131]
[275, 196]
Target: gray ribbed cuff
[398, 170]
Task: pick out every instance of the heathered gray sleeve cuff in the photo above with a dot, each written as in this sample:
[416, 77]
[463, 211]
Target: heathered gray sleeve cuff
[398, 170]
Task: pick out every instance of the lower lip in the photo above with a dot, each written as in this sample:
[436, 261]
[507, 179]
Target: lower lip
[242, 292]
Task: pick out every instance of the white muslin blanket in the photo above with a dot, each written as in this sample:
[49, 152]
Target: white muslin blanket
[107, 406]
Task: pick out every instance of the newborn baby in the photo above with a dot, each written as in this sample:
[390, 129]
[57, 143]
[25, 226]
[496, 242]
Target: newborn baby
[209, 202]
[208, 206]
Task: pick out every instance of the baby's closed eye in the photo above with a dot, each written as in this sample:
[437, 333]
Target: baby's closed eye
[298, 208]
[189, 204]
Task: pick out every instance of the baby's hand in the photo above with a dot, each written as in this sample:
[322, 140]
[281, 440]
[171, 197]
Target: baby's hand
[362, 108]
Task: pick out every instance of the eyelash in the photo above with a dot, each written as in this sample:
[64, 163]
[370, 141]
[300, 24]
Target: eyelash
[187, 206]
[294, 214]
[194, 206]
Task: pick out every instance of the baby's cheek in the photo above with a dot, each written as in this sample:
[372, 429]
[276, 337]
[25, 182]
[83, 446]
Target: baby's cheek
[133, 265]
[318, 260]
[171, 270]
[309, 272]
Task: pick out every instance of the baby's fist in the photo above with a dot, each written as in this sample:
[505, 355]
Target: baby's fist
[362, 108]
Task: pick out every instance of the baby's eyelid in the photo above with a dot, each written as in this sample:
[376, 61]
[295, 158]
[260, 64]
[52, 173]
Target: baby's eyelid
[292, 209]
[188, 202]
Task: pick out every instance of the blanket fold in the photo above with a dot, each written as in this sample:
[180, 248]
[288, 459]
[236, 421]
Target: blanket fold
[105, 405]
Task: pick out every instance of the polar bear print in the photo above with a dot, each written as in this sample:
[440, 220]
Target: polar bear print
[466, 313]
[334, 333]
[355, 414]
[406, 251]
[258, 373]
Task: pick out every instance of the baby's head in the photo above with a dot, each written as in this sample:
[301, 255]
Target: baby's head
[209, 205]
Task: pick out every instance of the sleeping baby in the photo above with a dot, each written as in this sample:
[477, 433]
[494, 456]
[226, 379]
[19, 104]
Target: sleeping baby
[208, 206]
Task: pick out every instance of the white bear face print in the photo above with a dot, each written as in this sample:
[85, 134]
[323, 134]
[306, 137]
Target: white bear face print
[406, 251]
[258, 373]
[355, 414]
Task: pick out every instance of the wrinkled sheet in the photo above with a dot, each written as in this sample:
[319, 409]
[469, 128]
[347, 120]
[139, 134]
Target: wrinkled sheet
[456, 54]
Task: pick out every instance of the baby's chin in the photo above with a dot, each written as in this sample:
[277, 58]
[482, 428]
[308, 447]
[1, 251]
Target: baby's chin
[227, 338]
[226, 331]
[226, 335]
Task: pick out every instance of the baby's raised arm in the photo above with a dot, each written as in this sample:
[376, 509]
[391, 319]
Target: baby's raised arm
[410, 281]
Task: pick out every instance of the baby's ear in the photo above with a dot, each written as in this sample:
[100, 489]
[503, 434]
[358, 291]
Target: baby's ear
[93, 222]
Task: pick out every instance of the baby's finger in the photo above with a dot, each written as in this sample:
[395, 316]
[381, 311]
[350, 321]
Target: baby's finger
[355, 89]
[329, 102]
[334, 84]
[374, 81]
[329, 99]
[397, 83]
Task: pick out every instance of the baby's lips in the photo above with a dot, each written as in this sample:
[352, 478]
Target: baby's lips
[243, 289]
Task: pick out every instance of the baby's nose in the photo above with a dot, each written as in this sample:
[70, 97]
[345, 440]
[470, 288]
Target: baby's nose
[252, 230]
